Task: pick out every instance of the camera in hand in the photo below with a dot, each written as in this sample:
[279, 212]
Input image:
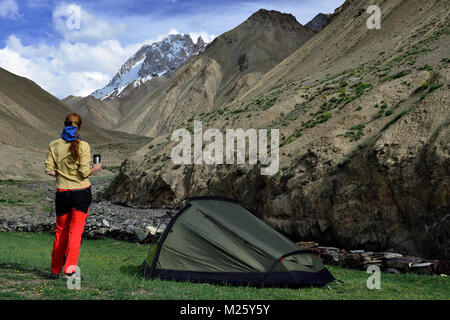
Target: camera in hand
[97, 158]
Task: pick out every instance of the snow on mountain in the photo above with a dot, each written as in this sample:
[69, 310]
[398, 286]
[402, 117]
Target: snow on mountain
[151, 61]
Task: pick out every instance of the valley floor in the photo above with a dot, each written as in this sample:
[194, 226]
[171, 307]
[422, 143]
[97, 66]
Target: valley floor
[110, 270]
[110, 267]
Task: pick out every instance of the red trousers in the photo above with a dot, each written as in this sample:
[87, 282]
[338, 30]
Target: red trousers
[66, 247]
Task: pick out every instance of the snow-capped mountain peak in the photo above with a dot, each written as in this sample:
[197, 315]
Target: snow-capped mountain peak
[150, 61]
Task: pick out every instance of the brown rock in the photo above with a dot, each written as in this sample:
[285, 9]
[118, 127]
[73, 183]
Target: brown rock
[308, 245]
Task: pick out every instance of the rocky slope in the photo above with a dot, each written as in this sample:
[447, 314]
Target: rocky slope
[227, 68]
[104, 114]
[149, 62]
[364, 124]
[318, 22]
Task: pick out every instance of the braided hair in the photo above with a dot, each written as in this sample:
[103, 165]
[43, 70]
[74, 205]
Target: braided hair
[74, 120]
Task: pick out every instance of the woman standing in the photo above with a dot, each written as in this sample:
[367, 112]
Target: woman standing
[69, 161]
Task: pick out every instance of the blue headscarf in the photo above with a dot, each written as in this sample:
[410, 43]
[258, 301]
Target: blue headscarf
[69, 134]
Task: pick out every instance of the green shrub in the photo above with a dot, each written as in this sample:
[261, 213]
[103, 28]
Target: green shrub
[389, 112]
[358, 126]
[324, 117]
[435, 87]
[270, 103]
[424, 86]
[379, 114]
[426, 67]
[396, 118]
[423, 96]
[400, 74]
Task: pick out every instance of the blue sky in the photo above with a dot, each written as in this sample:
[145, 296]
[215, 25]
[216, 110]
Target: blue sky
[36, 42]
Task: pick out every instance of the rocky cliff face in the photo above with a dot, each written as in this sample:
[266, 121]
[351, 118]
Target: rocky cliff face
[364, 138]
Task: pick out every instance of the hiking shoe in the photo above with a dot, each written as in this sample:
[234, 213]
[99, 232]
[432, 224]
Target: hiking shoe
[54, 276]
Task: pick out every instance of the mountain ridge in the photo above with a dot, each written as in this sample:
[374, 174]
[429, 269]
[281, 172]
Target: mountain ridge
[227, 67]
[150, 61]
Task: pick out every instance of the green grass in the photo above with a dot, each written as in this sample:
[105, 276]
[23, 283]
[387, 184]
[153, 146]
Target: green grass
[12, 194]
[110, 270]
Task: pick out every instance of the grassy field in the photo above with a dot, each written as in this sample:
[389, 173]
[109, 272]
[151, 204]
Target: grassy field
[110, 270]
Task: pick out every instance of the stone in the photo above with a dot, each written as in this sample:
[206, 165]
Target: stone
[372, 261]
[101, 231]
[330, 258]
[154, 230]
[389, 255]
[422, 268]
[403, 263]
[307, 244]
[142, 235]
[353, 261]
[327, 248]
[421, 265]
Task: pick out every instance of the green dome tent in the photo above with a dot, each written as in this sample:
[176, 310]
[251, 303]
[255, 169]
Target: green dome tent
[216, 240]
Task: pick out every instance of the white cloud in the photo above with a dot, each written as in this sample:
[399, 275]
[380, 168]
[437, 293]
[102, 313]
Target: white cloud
[9, 9]
[84, 61]
[72, 68]
[68, 69]
[15, 44]
[76, 24]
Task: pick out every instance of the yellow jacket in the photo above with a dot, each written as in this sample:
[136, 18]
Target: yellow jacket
[71, 174]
